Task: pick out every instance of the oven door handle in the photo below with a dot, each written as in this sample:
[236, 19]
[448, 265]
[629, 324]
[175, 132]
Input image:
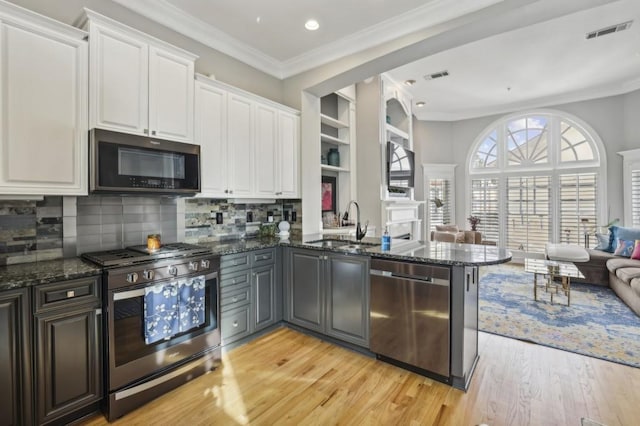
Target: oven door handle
[130, 294]
[122, 295]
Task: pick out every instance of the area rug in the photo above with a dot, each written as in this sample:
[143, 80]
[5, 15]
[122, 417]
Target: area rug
[597, 323]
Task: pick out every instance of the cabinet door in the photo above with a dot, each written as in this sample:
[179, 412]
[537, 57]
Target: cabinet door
[15, 358]
[211, 135]
[266, 152]
[240, 145]
[288, 157]
[69, 364]
[264, 293]
[305, 295]
[119, 87]
[348, 298]
[171, 87]
[43, 101]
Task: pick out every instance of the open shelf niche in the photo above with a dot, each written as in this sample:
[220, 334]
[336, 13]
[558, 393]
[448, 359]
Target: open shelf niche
[337, 131]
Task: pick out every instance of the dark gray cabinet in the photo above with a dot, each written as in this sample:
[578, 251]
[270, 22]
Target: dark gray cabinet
[329, 293]
[250, 293]
[305, 289]
[15, 358]
[347, 298]
[68, 335]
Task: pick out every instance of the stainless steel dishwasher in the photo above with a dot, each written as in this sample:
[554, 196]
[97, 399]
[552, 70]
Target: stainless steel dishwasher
[409, 315]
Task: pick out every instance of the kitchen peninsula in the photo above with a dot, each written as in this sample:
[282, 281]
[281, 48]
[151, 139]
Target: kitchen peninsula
[326, 290]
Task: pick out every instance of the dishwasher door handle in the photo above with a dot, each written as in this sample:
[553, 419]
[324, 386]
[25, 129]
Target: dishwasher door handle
[423, 279]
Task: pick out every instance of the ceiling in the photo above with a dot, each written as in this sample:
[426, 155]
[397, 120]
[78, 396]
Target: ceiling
[539, 65]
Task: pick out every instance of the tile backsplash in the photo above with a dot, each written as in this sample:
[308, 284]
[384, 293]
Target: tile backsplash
[112, 222]
[30, 230]
[58, 227]
[238, 220]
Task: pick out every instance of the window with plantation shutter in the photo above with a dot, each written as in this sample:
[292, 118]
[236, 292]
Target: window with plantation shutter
[535, 178]
[439, 193]
[635, 198]
[485, 196]
[631, 187]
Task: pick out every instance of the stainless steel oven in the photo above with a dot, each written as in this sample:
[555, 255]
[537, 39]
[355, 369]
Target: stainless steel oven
[124, 163]
[140, 367]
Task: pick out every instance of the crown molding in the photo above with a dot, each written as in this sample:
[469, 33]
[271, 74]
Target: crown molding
[432, 13]
[615, 89]
[177, 20]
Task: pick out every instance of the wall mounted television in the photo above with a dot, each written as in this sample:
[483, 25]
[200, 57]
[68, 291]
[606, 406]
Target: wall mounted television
[400, 167]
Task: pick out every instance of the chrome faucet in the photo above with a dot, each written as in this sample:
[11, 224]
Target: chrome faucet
[360, 233]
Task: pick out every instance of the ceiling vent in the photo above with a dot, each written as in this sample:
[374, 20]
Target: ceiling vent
[436, 75]
[609, 30]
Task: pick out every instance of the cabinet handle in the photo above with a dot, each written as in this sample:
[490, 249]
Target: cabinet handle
[71, 294]
[230, 191]
[235, 323]
[226, 191]
[233, 281]
[153, 132]
[234, 299]
[99, 311]
[145, 131]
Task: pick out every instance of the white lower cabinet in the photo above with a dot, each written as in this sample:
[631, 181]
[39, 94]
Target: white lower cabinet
[43, 95]
[249, 146]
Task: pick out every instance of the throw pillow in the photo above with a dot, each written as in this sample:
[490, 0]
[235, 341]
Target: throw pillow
[460, 237]
[613, 239]
[636, 251]
[447, 228]
[625, 248]
[603, 241]
[624, 233]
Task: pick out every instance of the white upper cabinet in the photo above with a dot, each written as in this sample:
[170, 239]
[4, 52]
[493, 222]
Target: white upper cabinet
[249, 145]
[44, 105]
[211, 135]
[138, 84]
[266, 150]
[240, 145]
[288, 155]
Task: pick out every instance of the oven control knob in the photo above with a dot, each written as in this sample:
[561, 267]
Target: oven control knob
[148, 274]
[193, 266]
[172, 270]
[205, 264]
[132, 277]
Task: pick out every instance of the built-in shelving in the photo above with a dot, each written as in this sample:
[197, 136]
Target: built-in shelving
[337, 132]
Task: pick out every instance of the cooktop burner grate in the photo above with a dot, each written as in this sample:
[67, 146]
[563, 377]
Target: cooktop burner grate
[140, 253]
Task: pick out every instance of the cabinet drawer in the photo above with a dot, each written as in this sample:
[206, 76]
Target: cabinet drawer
[235, 279]
[235, 324]
[67, 293]
[235, 298]
[263, 257]
[234, 262]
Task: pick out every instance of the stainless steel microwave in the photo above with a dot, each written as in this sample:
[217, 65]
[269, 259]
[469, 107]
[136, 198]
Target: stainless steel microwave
[122, 163]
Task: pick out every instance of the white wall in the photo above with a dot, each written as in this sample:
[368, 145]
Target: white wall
[614, 118]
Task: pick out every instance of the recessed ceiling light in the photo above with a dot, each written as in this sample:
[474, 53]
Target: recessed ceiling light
[312, 25]
[420, 104]
[258, 19]
[410, 82]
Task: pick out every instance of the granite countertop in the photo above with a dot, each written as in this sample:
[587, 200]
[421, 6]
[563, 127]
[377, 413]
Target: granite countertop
[414, 251]
[35, 273]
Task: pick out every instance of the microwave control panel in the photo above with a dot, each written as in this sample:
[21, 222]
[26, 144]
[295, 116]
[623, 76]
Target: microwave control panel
[143, 182]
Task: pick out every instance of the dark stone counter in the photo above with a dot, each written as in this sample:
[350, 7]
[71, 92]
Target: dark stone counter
[34, 273]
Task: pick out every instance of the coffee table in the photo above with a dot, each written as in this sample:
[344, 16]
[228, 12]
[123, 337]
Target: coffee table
[550, 270]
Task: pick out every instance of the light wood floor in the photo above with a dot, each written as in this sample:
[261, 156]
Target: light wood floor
[287, 377]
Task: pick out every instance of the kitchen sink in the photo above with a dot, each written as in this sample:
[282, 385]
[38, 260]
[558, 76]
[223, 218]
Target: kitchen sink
[342, 244]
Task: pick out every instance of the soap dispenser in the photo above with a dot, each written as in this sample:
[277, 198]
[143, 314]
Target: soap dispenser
[386, 240]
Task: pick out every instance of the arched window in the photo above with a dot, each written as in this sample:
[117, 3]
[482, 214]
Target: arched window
[535, 178]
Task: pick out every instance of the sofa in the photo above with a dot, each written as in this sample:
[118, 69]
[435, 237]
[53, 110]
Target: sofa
[452, 234]
[620, 273]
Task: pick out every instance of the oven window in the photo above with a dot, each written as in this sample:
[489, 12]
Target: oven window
[137, 162]
[128, 322]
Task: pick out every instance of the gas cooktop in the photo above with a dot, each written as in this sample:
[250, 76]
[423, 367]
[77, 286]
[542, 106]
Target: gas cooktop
[140, 254]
